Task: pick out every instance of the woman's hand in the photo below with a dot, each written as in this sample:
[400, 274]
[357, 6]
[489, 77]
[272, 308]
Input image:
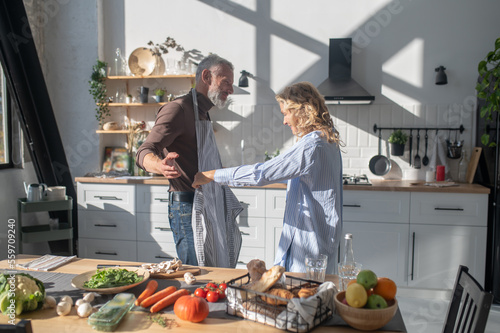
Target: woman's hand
[202, 178]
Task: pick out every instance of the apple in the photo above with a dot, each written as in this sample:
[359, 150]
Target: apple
[376, 302]
[367, 279]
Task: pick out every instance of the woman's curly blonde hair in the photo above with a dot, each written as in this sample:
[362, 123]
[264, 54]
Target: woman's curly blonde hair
[308, 107]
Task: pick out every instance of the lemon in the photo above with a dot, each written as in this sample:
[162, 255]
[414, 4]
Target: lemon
[356, 295]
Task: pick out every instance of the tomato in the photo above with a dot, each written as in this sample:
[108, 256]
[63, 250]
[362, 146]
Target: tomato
[211, 285]
[200, 292]
[222, 293]
[223, 286]
[212, 296]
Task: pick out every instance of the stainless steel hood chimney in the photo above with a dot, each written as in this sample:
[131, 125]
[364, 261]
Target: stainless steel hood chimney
[340, 88]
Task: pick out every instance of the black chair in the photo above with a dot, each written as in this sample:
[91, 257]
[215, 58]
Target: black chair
[469, 306]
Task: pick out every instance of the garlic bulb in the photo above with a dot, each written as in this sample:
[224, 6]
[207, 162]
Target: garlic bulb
[189, 278]
[67, 299]
[49, 302]
[63, 308]
[84, 310]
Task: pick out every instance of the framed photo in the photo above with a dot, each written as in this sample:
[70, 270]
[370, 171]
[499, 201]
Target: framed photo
[115, 159]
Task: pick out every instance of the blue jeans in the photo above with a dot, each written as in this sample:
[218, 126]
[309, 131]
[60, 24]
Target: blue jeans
[180, 222]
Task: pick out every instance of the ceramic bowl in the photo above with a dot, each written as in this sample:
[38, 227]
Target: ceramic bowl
[365, 319]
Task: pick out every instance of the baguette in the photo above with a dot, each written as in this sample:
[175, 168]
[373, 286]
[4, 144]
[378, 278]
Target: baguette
[268, 279]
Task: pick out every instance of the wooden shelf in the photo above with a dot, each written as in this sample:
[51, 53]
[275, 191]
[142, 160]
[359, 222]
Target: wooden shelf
[116, 131]
[136, 104]
[172, 76]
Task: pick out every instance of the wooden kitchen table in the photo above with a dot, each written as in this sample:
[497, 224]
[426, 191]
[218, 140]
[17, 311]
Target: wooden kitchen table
[137, 321]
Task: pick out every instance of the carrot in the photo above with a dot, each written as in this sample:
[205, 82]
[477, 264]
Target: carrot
[158, 296]
[148, 291]
[169, 300]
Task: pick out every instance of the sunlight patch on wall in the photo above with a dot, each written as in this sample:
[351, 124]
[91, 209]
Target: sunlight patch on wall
[407, 64]
[398, 97]
[281, 53]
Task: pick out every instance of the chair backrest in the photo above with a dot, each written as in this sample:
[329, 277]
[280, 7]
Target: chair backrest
[469, 306]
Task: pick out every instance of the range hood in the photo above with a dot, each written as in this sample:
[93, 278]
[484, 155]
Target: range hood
[339, 87]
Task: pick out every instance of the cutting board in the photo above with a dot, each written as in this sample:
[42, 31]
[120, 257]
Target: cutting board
[471, 168]
[178, 274]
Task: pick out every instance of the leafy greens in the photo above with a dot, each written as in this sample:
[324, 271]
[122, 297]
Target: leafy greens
[112, 277]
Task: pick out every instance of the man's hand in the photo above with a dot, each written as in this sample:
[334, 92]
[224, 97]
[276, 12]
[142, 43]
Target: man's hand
[202, 178]
[168, 167]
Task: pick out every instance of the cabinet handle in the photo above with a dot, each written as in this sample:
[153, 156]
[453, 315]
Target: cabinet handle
[107, 253]
[106, 197]
[244, 233]
[457, 209]
[353, 206]
[164, 257]
[412, 255]
[163, 229]
[161, 199]
[105, 225]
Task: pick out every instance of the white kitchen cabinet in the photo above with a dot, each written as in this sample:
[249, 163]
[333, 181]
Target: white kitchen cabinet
[253, 201]
[155, 251]
[108, 197]
[274, 226]
[154, 227]
[380, 247]
[152, 199]
[275, 203]
[107, 249]
[376, 206]
[446, 231]
[107, 225]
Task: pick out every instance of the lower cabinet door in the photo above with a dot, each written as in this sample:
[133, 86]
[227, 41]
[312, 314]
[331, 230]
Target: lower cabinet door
[252, 229]
[107, 249]
[273, 234]
[249, 253]
[380, 247]
[153, 227]
[439, 250]
[155, 251]
[106, 225]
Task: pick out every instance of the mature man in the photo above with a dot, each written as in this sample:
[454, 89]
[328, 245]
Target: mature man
[180, 144]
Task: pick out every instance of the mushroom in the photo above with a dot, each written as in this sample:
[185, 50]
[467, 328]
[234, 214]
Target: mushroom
[63, 308]
[189, 278]
[67, 299]
[80, 302]
[88, 297]
[49, 302]
[84, 310]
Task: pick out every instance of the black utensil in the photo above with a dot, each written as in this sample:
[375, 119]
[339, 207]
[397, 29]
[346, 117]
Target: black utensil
[379, 164]
[416, 162]
[425, 160]
[411, 140]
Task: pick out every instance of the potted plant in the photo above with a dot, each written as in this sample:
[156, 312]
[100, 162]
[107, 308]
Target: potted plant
[398, 139]
[159, 93]
[487, 88]
[128, 99]
[98, 90]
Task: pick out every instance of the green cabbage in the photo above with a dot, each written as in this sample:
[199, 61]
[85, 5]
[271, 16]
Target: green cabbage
[20, 292]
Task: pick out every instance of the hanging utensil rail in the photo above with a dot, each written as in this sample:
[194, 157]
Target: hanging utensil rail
[461, 128]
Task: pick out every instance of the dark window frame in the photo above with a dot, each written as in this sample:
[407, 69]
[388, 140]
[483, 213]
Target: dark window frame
[7, 114]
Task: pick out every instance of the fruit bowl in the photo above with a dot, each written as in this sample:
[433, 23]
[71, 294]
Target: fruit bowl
[362, 318]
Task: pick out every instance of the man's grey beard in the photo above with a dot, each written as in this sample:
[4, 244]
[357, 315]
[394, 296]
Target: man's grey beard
[214, 96]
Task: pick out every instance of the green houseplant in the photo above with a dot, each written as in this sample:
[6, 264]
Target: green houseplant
[398, 139]
[98, 90]
[487, 88]
[159, 93]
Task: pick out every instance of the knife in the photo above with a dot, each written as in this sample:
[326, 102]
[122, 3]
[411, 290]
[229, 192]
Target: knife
[411, 139]
[99, 266]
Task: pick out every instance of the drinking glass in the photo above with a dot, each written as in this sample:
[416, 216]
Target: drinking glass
[348, 273]
[316, 267]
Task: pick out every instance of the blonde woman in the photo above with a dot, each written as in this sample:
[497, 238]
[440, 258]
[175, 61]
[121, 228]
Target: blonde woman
[313, 168]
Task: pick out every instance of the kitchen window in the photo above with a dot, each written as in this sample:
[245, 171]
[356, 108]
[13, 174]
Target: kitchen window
[5, 128]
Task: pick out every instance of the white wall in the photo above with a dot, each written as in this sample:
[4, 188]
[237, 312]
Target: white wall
[397, 46]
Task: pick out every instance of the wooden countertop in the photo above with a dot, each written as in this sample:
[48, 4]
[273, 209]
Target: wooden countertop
[377, 185]
[136, 321]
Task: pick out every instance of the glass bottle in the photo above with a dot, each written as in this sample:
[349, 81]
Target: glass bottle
[119, 63]
[462, 167]
[348, 269]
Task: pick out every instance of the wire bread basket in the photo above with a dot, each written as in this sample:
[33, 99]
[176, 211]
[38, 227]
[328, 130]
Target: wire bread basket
[294, 315]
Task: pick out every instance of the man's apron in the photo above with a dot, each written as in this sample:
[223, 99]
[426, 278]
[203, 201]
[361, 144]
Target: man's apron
[217, 237]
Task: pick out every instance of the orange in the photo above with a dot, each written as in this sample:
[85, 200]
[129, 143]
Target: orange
[386, 288]
[351, 282]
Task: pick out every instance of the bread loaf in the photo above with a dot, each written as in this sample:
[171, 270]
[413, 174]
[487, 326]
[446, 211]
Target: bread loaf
[307, 292]
[267, 280]
[256, 268]
[279, 292]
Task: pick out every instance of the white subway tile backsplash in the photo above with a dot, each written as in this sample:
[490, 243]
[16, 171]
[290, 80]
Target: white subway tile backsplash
[261, 127]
